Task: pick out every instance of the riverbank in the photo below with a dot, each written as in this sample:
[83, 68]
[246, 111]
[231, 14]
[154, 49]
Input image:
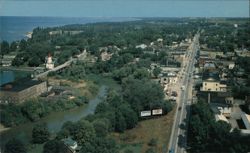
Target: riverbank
[54, 120]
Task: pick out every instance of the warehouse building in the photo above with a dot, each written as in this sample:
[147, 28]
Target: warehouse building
[16, 92]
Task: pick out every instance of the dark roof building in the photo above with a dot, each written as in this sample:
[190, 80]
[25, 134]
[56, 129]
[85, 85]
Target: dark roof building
[21, 90]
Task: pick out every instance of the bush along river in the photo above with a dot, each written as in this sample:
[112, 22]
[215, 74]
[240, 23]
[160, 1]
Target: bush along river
[55, 120]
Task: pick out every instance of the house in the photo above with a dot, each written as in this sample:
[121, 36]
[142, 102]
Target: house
[178, 56]
[7, 60]
[71, 144]
[203, 60]
[105, 56]
[209, 66]
[212, 54]
[160, 40]
[142, 46]
[211, 82]
[229, 64]
[220, 117]
[243, 53]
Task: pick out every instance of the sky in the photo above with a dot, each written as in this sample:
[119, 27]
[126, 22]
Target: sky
[125, 8]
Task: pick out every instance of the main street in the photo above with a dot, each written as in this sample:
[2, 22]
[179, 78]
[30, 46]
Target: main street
[178, 139]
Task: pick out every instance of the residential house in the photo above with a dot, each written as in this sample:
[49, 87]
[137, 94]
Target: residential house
[211, 82]
[7, 60]
[142, 46]
[71, 145]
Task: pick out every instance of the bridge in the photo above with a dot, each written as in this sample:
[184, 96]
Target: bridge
[62, 66]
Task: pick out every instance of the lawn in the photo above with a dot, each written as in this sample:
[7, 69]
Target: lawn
[84, 88]
[137, 139]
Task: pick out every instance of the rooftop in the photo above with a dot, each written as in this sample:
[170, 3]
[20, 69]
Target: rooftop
[211, 76]
[19, 85]
[69, 142]
[221, 118]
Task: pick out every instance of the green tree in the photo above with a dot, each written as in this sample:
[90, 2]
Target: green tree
[22, 45]
[156, 71]
[5, 48]
[33, 110]
[131, 118]
[40, 133]
[102, 127]
[128, 151]
[142, 94]
[141, 74]
[100, 145]
[120, 122]
[54, 146]
[34, 61]
[62, 134]
[13, 46]
[83, 132]
[15, 146]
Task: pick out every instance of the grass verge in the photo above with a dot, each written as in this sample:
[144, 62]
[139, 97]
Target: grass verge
[138, 139]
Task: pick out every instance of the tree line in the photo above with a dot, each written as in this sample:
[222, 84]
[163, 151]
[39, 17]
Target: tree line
[207, 135]
[33, 110]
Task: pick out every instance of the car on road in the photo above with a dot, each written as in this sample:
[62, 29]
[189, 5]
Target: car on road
[182, 87]
[171, 150]
[179, 108]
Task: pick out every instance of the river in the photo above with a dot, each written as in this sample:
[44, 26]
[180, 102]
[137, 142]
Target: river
[54, 120]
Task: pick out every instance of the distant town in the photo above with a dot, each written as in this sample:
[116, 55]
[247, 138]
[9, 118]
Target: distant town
[154, 85]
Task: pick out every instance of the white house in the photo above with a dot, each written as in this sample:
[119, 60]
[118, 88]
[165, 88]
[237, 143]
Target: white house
[211, 82]
[49, 63]
[231, 65]
[142, 46]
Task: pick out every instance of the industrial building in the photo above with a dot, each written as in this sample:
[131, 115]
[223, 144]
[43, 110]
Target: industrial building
[16, 92]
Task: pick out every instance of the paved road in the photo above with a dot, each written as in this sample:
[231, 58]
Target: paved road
[178, 139]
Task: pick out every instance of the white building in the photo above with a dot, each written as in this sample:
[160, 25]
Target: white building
[211, 82]
[49, 62]
[231, 65]
[142, 46]
[220, 117]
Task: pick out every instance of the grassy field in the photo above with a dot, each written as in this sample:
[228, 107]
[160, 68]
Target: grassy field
[84, 88]
[137, 139]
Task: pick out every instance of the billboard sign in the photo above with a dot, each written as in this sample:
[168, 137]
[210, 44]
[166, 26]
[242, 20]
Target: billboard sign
[145, 113]
[157, 112]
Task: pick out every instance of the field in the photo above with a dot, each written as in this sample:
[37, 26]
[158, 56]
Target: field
[157, 130]
[80, 88]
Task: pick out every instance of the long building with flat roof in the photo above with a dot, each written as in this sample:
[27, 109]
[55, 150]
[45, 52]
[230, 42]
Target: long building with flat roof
[16, 92]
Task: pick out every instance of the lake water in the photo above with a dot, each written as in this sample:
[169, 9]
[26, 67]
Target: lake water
[15, 28]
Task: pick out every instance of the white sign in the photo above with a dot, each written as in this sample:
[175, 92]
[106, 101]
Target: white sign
[145, 113]
[156, 111]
